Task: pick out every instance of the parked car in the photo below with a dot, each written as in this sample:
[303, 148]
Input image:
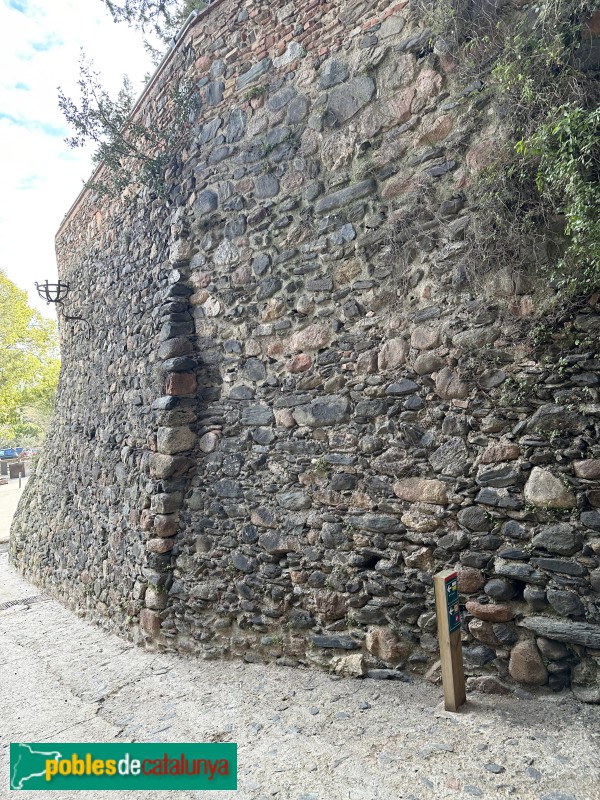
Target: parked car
[11, 452]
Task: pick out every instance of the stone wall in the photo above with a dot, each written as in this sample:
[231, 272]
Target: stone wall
[299, 399]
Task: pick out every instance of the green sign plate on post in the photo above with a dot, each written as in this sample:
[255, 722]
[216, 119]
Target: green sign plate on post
[445, 584]
[451, 585]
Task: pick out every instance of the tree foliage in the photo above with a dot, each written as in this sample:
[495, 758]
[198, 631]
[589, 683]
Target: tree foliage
[567, 153]
[163, 18]
[142, 13]
[126, 147]
[133, 152]
[538, 205]
[29, 363]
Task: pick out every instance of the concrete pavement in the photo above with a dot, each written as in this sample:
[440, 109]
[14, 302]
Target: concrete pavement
[10, 494]
[301, 734]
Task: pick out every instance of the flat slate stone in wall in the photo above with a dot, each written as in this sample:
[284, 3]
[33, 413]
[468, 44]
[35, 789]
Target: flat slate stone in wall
[296, 405]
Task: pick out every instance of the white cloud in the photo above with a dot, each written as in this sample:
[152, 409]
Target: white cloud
[40, 176]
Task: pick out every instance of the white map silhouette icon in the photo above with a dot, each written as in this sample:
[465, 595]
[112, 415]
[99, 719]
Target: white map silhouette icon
[17, 782]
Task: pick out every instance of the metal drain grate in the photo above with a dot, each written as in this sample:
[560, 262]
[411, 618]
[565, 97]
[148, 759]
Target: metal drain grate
[24, 601]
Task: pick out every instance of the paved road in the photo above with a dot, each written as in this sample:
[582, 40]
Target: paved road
[9, 498]
[301, 734]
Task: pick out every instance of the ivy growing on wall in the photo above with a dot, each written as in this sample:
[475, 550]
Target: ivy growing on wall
[567, 153]
[538, 205]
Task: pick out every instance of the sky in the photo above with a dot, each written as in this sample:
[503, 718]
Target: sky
[40, 176]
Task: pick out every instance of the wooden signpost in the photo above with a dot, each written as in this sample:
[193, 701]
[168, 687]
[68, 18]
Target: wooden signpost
[448, 620]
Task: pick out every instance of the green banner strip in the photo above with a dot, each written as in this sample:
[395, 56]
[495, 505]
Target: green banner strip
[89, 765]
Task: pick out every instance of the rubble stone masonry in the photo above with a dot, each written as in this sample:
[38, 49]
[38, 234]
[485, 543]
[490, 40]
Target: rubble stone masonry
[299, 400]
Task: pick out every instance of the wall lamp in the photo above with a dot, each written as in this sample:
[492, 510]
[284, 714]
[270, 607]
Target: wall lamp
[57, 293]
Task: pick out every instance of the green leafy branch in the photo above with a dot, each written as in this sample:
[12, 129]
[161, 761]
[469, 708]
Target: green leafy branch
[567, 151]
[131, 151]
[537, 206]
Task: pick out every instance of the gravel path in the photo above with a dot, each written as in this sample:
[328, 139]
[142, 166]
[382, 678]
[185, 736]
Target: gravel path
[302, 735]
[10, 494]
